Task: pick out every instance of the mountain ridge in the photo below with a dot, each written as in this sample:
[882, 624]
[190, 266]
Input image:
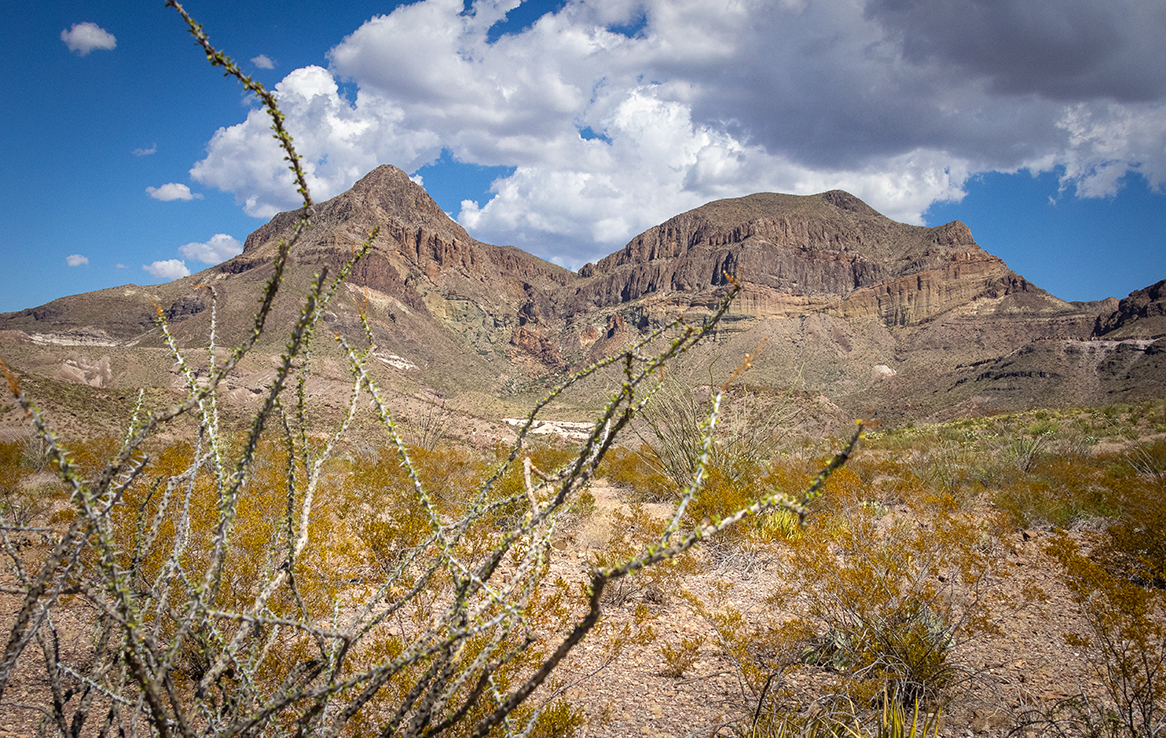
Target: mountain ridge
[843, 288]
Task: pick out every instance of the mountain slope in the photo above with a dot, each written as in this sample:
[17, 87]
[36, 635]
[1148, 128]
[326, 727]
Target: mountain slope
[868, 312]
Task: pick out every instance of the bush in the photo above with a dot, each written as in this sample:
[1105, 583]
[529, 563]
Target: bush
[1128, 643]
[897, 600]
[677, 661]
[846, 720]
[751, 426]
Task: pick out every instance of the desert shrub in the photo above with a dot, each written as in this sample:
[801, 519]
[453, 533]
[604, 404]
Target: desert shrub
[632, 471]
[11, 456]
[897, 599]
[1119, 584]
[1127, 642]
[722, 494]
[34, 453]
[1149, 458]
[1061, 491]
[740, 467]
[1078, 716]
[943, 465]
[561, 718]
[1025, 451]
[633, 533]
[378, 503]
[671, 433]
[27, 498]
[847, 488]
[751, 428]
[237, 584]
[1133, 546]
[761, 655]
[431, 427]
[678, 660]
[17, 507]
[845, 719]
[954, 464]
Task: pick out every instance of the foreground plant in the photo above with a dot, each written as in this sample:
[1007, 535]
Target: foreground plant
[1127, 642]
[846, 720]
[897, 600]
[214, 576]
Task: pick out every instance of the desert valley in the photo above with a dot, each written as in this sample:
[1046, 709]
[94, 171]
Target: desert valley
[990, 560]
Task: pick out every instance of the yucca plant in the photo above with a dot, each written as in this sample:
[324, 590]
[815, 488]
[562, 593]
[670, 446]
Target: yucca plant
[845, 720]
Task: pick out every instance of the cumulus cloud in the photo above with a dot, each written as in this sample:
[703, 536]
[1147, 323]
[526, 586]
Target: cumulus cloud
[169, 269]
[263, 62]
[172, 191]
[85, 37]
[897, 101]
[340, 141]
[76, 260]
[1101, 137]
[146, 152]
[219, 248]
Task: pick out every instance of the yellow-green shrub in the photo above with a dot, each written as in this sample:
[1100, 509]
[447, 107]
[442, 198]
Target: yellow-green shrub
[1127, 646]
[896, 598]
[633, 471]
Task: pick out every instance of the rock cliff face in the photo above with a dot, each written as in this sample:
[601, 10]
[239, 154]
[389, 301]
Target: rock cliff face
[419, 248]
[1141, 315]
[431, 281]
[805, 253]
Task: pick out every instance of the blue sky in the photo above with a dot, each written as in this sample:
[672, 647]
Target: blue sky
[567, 127]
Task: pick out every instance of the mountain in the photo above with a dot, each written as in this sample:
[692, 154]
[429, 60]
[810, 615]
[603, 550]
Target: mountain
[1141, 315]
[858, 309]
[798, 253]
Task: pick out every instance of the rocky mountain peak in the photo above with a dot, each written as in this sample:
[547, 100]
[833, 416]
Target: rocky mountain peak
[847, 201]
[384, 196]
[954, 233]
[390, 191]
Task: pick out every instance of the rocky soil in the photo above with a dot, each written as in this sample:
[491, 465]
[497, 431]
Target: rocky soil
[1027, 667]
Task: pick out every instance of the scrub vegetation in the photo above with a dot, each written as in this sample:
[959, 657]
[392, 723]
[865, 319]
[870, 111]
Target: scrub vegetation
[906, 567]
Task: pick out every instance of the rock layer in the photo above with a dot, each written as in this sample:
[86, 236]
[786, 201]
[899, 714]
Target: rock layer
[1142, 314]
[827, 251]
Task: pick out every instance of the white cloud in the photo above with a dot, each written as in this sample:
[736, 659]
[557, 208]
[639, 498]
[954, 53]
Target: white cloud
[76, 260]
[120, 266]
[892, 101]
[263, 62]
[85, 37]
[146, 152]
[219, 248]
[1102, 137]
[340, 141]
[172, 191]
[170, 269]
